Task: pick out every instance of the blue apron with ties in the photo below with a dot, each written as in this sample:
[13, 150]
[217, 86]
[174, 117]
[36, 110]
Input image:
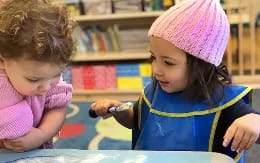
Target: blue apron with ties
[167, 121]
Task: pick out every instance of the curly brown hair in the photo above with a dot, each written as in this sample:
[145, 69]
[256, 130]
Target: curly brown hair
[37, 30]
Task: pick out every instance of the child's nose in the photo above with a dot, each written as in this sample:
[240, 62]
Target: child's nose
[157, 70]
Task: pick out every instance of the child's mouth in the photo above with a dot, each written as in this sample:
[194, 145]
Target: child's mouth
[163, 83]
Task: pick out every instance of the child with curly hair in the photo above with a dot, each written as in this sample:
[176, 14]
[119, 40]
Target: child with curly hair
[35, 47]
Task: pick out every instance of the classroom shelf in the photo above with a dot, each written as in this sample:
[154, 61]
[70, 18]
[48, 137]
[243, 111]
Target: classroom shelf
[92, 95]
[111, 56]
[88, 19]
[246, 67]
[113, 17]
[132, 95]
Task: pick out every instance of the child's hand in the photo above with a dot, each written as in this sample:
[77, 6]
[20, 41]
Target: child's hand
[101, 107]
[32, 140]
[244, 131]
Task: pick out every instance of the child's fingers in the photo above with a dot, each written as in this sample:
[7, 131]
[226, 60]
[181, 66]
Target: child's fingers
[107, 104]
[230, 133]
[101, 107]
[14, 148]
[97, 109]
[13, 145]
[9, 145]
[244, 142]
[237, 139]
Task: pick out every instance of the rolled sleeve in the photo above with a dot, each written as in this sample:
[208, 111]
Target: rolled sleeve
[16, 120]
[59, 96]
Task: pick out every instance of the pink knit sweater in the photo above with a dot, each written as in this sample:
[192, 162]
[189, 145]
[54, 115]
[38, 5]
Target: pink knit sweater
[18, 113]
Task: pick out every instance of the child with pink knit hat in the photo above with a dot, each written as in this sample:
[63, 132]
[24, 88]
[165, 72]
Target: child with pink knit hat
[191, 104]
[35, 47]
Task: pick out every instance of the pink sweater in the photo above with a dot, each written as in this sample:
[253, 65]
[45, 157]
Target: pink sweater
[18, 113]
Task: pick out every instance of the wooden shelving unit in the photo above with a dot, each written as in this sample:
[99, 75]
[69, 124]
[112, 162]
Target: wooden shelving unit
[119, 18]
[113, 17]
[111, 56]
[124, 18]
[247, 66]
[92, 95]
[235, 19]
[234, 6]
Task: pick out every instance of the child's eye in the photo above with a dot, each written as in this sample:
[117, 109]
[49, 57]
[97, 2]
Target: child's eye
[169, 63]
[32, 80]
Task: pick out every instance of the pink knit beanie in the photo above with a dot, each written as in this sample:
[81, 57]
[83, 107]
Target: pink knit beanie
[199, 27]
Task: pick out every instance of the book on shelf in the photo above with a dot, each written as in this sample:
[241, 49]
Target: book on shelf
[73, 6]
[83, 42]
[133, 39]
[113, 38]
[108, 42]
[154, 5]
[95, 39]
[127, 6]
[147, 5]
[97, 7]
[167, 3]
[102, 42]
[157, 5]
